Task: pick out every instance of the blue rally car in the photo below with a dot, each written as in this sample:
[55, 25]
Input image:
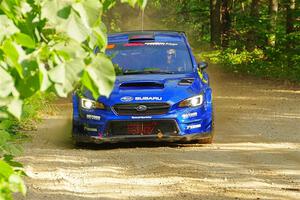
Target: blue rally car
[162, 94]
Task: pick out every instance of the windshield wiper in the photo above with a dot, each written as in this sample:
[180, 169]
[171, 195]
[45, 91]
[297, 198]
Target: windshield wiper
[146, 72]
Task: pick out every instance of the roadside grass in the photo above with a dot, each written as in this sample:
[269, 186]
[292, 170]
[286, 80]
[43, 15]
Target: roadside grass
[257, 63]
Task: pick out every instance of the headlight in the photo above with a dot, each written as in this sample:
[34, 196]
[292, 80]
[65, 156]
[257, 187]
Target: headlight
[90, 104]
[192, 102]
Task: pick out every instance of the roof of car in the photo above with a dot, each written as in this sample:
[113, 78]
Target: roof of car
[157, 35]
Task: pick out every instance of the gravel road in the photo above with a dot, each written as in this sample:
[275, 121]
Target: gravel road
[255, 155]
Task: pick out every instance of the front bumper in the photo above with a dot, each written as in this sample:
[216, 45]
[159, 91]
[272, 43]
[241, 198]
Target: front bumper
[93, 126]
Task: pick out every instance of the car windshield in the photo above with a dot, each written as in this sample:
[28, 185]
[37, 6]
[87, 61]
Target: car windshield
[151, 57]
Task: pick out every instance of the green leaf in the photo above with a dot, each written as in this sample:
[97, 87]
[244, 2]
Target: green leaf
[6, 170]
[64, 12]
[72, 49]
[43, 78]
[7, 84]
[12, 54]
[4, 137]
[73, 70]
[76, 29]
[7, 27]
[108, 4]
[99, 37]
[141, 3]
[52, 10]
[89, 10]
[15, 108]
[58, 74]
[101, 73]
[17, 184]
[24, 40]
[88, 83]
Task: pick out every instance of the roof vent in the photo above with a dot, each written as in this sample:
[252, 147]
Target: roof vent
[141, 37]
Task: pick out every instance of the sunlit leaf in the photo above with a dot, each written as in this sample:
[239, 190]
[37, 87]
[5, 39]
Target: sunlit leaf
[24, 40]
[7, 27]
[89, 11]
[102, 74]
[6, 83]
[17, 184]
[12, 54]
[76, 29]
[15, 108]
[108, 4]
[6, 169]
[57, 74]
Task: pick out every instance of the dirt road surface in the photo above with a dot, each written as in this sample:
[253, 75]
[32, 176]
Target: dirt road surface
[255, 155]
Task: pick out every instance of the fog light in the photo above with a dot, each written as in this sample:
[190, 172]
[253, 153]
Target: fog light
[90, 129]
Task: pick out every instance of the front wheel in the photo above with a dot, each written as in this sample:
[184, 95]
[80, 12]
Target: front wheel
[208, 140]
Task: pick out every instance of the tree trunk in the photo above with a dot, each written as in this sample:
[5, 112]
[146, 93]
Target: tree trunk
[215, 22]
[290, 18]
[252, 33]
[226, 23]
[273, 9]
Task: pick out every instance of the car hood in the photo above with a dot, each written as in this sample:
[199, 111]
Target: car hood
[152, 88]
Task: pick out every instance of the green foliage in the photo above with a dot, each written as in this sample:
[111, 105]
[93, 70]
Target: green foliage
[47, 46]
[256, 44]
[10, 178]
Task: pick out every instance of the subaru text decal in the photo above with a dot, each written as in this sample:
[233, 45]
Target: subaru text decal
[148, 98]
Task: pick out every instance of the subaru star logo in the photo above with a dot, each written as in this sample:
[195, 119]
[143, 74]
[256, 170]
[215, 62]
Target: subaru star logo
[127, 99]
[141, 108]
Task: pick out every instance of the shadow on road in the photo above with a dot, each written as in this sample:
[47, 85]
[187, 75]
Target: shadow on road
[130, 145]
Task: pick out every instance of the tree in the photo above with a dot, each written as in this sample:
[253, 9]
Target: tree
[290, 16]
[273, 10]
[215, 22]
[254, 17]
[226, 22]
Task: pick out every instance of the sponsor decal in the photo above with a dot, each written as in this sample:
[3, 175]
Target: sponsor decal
[148, 98]
[93, 117]
[189, 115]
[193, 126]
[141, 117]
[136, 44]
[127, 99]
[161, 44]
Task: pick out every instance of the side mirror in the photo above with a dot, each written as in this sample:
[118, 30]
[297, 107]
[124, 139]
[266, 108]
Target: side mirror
[202, 65]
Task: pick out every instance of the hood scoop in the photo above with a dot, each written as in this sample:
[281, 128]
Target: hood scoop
[142, 85]
[186, 81]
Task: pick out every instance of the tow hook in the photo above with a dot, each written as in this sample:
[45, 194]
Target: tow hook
[160, 135]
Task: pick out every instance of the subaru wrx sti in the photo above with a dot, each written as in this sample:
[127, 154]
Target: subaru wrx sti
[162, 94]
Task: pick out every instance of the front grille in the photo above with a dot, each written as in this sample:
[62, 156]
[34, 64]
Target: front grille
[149, 109]
[153, 127]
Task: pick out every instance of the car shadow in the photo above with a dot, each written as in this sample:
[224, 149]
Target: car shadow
[131, 145]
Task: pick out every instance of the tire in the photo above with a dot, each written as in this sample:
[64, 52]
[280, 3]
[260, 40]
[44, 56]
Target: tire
[209, 140]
